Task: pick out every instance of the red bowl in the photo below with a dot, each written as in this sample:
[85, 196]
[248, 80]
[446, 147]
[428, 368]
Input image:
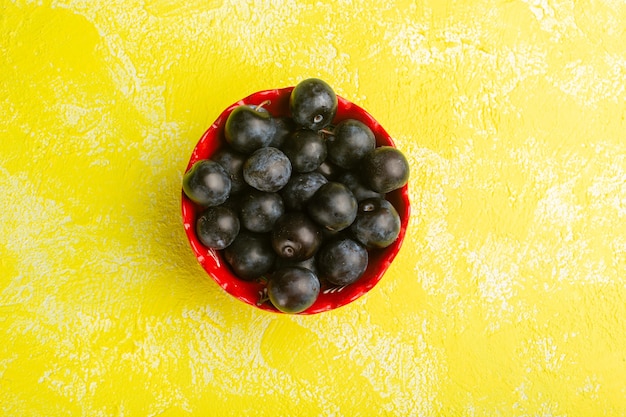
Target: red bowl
[251, 292]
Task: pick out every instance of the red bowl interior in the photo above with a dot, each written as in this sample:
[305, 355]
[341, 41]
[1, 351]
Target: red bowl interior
[251, 292]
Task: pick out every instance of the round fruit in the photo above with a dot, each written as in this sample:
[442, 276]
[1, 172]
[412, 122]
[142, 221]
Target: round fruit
[293, 289]
[232, 162]
[207, 183]
[217, 227]
[306, 150]
[249, 128]
[385, 169]
[333, 206]
[260, 210]
[350, 142]
[377, 224]
[313, 104]
[295, 236]
[250, 255]
[342, 261]
[301, 188]
[267, 169]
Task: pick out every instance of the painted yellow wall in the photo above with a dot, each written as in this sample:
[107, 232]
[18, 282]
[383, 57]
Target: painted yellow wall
[507, 299]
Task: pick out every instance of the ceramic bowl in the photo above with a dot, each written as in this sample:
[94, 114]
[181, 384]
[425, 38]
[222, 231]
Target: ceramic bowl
[331, 297]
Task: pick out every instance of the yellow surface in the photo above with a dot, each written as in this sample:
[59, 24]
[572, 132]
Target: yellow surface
[507, 299]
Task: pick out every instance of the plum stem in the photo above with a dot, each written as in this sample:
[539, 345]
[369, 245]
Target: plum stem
[263, 297]
[262, 104]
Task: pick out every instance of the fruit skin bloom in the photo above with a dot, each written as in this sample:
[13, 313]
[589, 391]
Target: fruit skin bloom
[385, 169]
[306, 150]
[207, 183]
[313, 104]
[333, 206]
[250, 255]
[267, 169]
[293, 289]
[217, 227]
[350, 142]
[260, 210]
[301, 188]
[296, 236]
[377, 224]
[342, 261]
[248, 129]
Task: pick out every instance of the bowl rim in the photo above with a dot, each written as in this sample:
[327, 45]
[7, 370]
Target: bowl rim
[250, 292]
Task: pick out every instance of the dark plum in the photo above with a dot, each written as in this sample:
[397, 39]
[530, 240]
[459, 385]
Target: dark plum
[293, 289]
[377, 224]
[267, 169]
[306, 149]
[249, 128]
[260, 210]
[350, 142]
[207, 183]
[217, 227]
[355, 184]
[333, 206]
[301, 188]
[232, 162]
[313, 104]
[342, 261]
[295, 236]
[250, 255]
[385, 169]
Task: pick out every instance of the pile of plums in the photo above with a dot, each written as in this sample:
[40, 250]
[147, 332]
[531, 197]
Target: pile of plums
[295, 201]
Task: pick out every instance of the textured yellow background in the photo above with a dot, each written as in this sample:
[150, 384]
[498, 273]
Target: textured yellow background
[507, 299]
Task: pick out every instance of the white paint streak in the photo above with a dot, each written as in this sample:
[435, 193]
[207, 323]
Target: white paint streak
[410, 40]
[553, 19]
[559, 207]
